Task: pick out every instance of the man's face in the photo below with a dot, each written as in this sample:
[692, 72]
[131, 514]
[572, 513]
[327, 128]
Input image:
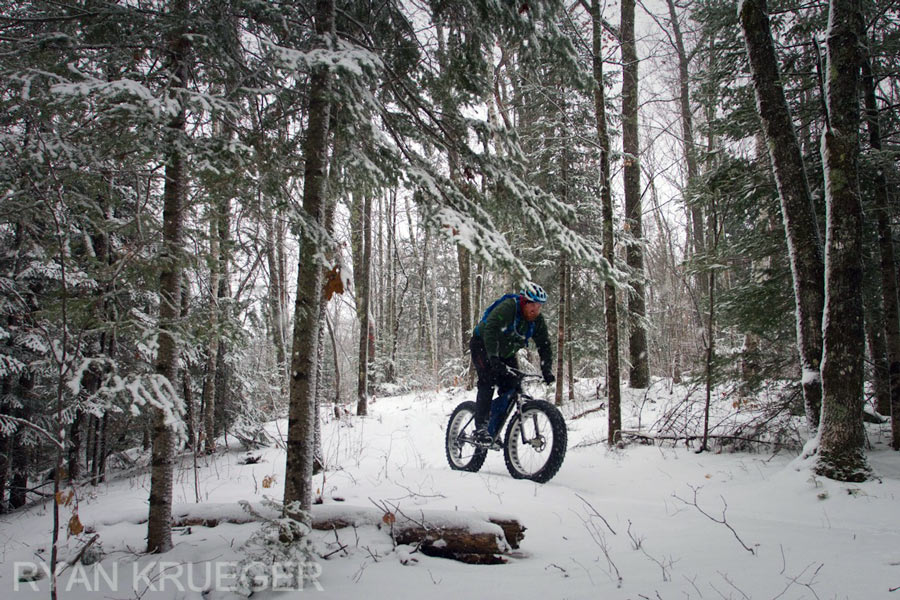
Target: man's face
[531, 310]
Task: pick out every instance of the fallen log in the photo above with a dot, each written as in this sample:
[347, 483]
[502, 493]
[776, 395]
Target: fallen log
[471, 537]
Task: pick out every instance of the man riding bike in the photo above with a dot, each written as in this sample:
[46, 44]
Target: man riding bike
[505, 328]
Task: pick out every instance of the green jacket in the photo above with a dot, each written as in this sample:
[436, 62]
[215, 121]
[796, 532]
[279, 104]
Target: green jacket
[505, 345]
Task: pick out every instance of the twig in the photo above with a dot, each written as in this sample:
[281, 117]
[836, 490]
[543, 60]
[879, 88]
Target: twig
[729, 582]
[81, 552]
[639, 545]
[596, 514]
[588, 411]
[722, 521]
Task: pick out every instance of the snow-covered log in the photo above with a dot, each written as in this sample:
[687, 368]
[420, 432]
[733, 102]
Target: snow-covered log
[468, 536]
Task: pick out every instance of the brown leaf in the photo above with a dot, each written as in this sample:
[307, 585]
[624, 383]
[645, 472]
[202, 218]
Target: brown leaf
[268, 480]
[75, 526]
[389, 518]
[333, 282]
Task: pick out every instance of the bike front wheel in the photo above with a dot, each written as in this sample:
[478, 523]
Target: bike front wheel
[462, 454]
[536, 441]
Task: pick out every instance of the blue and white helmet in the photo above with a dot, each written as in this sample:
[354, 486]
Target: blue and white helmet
[533, 292]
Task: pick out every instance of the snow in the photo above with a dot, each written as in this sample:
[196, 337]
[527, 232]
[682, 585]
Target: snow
[643, 522]
[810, 376]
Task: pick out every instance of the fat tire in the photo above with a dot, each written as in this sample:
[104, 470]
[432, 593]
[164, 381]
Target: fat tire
[477, 459]
[557, 452]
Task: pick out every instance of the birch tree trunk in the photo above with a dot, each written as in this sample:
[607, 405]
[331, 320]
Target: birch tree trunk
[841, 434]
[298, 487]
[612, 319]
[159, 522]
[639, 373]
[801, 230]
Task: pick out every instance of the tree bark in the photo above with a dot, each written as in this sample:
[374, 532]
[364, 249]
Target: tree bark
[801, 229]
[364, 312]
[639, 373]
[298, 488]
[612, 319]
[561, 333]
[276, 284]
[159, 523]
[841, 434]
[873, 309]
[212, 346]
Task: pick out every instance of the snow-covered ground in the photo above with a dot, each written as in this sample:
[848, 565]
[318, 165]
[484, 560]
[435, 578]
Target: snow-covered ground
[612, 524]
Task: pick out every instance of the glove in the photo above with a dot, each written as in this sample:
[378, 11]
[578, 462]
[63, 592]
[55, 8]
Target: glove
[498, 369]
[503, 377]
[548, 375]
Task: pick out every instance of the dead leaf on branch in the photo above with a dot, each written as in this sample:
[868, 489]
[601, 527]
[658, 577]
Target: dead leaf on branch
[333, 282]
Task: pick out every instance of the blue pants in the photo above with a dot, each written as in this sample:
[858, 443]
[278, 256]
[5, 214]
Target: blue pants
[486, 383]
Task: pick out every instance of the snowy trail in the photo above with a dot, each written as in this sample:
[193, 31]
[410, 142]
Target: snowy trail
[810, 538]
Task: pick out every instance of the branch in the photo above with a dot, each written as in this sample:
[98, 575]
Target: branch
[721, 521]
[53, 439]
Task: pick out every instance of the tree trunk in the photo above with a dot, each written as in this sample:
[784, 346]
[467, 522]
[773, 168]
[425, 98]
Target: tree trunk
[337, 368]
[318, 454]
[20, 456]
[612, 319]
[364, 311]
[224, 397]
[298, 488]
[464, 262]
[189, 411]
[802, 233]
[639, 373]
[212, 346]
[276, 284]
[873, 316]
[561, 333]
[841, 435]
[687, 127]
[569, 297]
[159, 523]
[75, 440]
[103, 452]
[5, 444]
[888, 264]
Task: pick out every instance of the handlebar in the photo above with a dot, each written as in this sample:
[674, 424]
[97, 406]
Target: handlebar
[522, 375]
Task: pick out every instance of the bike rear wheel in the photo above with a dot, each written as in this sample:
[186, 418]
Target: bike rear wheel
[462, 454]
[536, 442]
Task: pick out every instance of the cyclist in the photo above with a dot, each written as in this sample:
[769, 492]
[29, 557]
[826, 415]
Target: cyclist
[505, 328]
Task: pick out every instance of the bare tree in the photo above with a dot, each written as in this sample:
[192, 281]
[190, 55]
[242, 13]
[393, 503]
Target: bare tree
[687, 124]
